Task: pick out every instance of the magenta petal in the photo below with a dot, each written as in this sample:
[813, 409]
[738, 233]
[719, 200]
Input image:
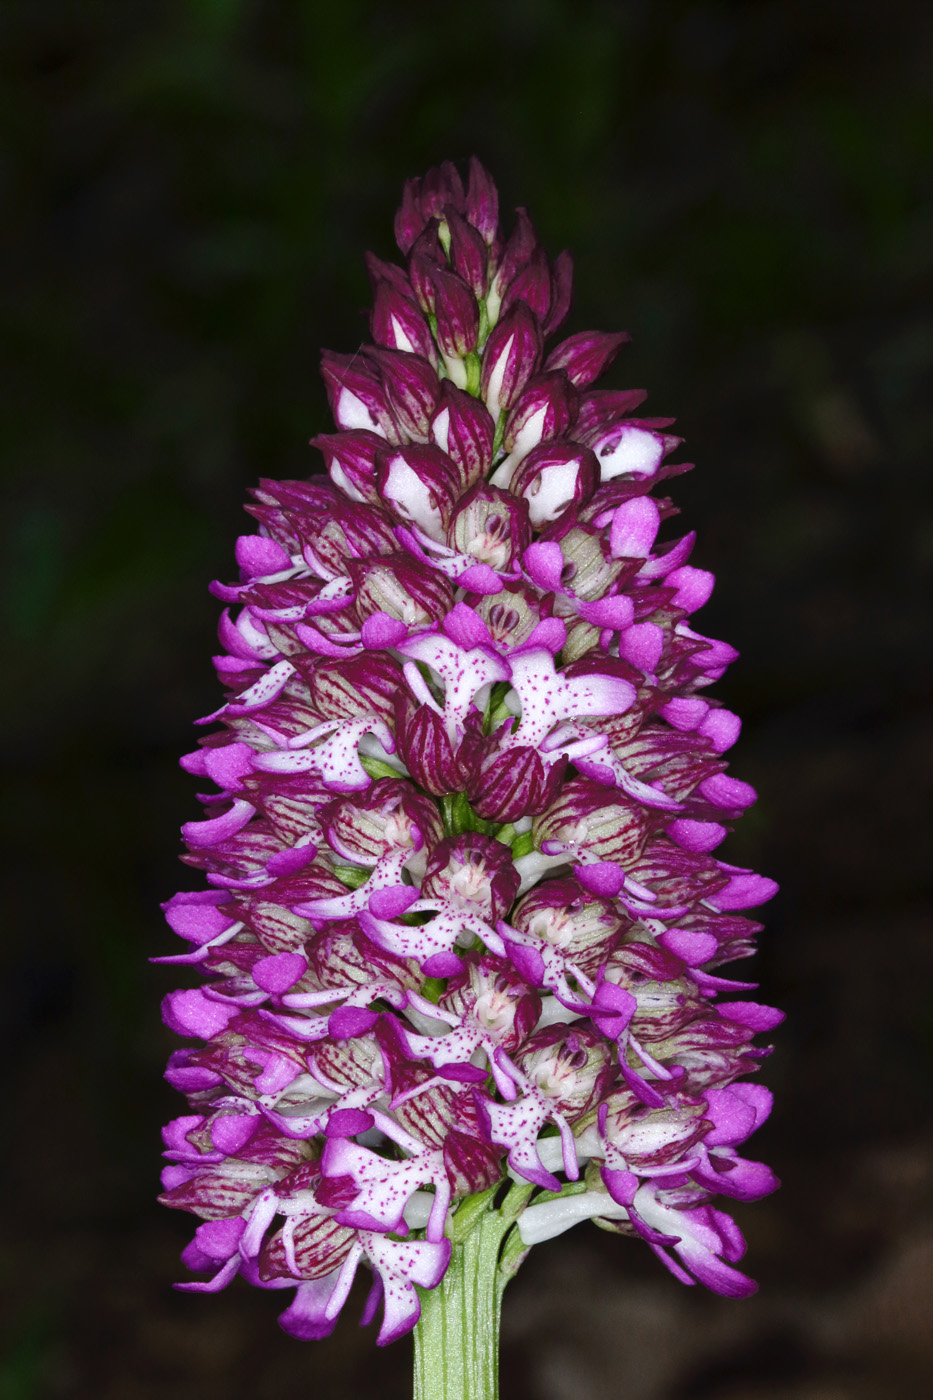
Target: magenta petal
[613, 1008]
[279, 972]
[480, 578]
[617, 613]
[389, 903]
[196, 919]
[551, 634]
[258, 556]
[722, 728]
[192, 1013]
[306, 1317]
[464, 626]
[647, 1093]
[733, 1119]
[290, 861]
[217, 829]
[694, 587]
[441, 965]
[381, 631]
[544, 563]
[227, 765]
[634, 527]
[463, 1074]
[348, 1122]
[695, 948]
[349, 1021]
[602, 878]
[695, 836]
[621, 1185]
[724, 791]
[750, 1014]
[527, 961]
[642, 644]
[229, 1133]
[744, 892]
[686, 712]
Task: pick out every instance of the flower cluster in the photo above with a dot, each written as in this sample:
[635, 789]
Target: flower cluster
[464, 922]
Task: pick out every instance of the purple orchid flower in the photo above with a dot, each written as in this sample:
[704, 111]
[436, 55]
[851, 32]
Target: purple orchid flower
[465, 924]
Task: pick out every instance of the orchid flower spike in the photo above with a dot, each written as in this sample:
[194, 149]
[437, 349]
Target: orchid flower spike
[463, 925]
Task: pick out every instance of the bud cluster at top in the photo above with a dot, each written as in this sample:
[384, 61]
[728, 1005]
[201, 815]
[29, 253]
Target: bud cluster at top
[464, 923]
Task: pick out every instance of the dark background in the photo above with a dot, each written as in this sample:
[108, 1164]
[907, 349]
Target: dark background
[189, 188]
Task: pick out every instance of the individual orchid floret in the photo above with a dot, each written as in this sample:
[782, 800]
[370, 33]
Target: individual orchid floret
[553, 477]
[461, 964]
[473, 872]
[492, 527]
[392, 815]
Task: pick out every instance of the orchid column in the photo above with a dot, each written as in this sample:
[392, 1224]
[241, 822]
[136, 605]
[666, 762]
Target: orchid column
[463, 926]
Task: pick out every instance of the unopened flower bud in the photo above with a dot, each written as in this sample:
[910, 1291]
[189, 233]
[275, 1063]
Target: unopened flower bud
[457, 314]
[532, 284]
[411, 388]
[441, 186]
[482, 201]
[425, 747]
[561, 292]
[517, 252]
[423, 200]
[512, 355]
[545, 410]
[601, 410]
[397, 324]
[469, 255]
[350, 459]
[463, 429]
[380, 271]
[584, 357]
[357, 395]
[505, 786]
[408, 220]
[553, 477]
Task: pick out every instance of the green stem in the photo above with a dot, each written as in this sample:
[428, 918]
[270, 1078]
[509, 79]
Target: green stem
[457, 1339]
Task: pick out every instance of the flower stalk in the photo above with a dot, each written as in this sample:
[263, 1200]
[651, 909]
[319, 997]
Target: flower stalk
[457, 1336]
